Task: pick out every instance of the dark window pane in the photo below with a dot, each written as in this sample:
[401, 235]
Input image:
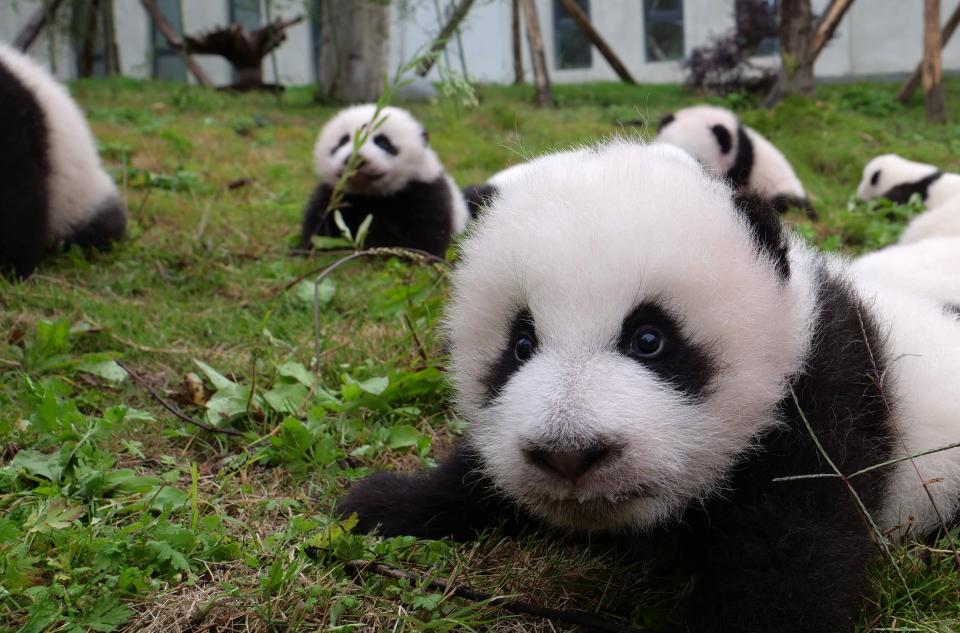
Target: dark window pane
[246, 13]
[663, 21]
[757, 26]
[167, 63]
[572, 49]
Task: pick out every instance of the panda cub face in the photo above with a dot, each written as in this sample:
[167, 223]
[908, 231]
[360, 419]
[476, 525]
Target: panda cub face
[885, 172]
[618, 336]
[395, 153]
[707, 133]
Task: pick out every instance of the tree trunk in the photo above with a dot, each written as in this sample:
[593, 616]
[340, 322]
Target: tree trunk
[535, 40]
[354, 48]
[796, 39]
[932, 67]
[89, 23]
[459, 13]
[910, 85]
[594, 36]
[517, 44]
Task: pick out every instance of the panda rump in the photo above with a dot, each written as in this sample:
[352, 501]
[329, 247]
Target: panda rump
[53, 188]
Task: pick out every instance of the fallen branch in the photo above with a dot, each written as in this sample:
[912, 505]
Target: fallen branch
[173, 409]
[514, 606]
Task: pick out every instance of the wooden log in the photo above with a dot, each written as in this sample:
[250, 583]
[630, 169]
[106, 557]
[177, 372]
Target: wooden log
[174, 41]
[456, 17]
[932, 65]
[827, 25]
[541, 78]
[35, 25]
[911, 84]
[575, 12]
[517, 44]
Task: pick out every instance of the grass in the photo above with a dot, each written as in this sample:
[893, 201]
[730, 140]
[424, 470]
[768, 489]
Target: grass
[116, 515]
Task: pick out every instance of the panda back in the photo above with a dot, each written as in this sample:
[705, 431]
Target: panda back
[77, 186]
[772, 174]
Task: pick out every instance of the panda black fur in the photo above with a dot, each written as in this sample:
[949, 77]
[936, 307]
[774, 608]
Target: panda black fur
[649, 364]
[717, 138]
[897, 179]
[400, 182]
[52, 186]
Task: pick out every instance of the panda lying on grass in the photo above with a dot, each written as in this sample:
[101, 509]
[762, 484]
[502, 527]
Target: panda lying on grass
[751, 163]
[53, 188]
[638, 349]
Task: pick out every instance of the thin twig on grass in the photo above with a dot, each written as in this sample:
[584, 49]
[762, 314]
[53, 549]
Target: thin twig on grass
[173, 409]
[861, 506]
[514, 606]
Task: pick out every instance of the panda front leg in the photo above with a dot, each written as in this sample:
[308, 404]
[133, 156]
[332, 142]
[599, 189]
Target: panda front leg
[106, 225]
[774, 569]
[314, 216]
[454, 500]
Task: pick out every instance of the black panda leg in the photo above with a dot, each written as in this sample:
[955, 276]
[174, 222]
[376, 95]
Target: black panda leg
[23, 239]
[107, 225]
[778, 569]
[314, 216]
[453, 500]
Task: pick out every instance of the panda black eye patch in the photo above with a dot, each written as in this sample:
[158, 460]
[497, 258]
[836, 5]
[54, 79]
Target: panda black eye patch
[521, 345]
[343, 141]
[654, 338]
[384, 143]
[875, 178]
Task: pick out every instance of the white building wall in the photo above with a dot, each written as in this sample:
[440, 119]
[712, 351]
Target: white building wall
[877, 37]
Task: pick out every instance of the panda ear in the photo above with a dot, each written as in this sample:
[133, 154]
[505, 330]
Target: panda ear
[768, 231]
[664, 121]
[724, 139]
[426, 136]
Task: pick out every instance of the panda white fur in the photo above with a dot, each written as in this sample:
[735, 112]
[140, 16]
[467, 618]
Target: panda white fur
[717, 138]
[942, 220]
[896, 178]
[400, 182]
[632, 344]
[52, 186]
[930, 267]
[480, 196]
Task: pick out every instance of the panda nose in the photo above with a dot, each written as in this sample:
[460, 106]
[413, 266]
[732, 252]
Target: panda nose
[569, 465]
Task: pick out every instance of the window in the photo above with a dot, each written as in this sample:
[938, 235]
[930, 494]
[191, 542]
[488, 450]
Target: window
[663, 23]
[757, 26]
[246, 13]
[167, 63]
[571, 49]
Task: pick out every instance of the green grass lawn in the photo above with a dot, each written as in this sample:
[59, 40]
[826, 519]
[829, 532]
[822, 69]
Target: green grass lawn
[117, 515]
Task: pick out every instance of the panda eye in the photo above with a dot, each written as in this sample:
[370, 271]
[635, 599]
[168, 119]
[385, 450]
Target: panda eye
[343, 141]
[524, 347]
[647, 342]
[875, 178]
[385, 144]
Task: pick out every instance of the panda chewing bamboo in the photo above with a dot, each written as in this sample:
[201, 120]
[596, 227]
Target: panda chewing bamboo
[53, 188]
[399, 181]
[638, 349]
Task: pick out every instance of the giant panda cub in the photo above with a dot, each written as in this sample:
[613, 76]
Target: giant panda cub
[53, 188]
[400, 182]
[638, 349]
[896, 178]
[717, 138]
